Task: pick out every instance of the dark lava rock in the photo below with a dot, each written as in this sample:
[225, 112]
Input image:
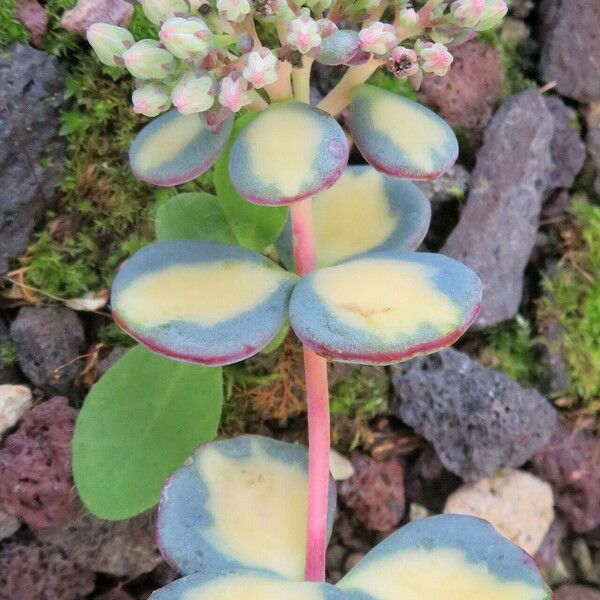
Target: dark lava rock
[31, 96]
[497, 227]
[35, 466]
[576, 592]
[567, 148]
[548, 553]
[121, 548]
[47, 339]
[33, 571]
[478, 420]
[571, 46]
[467, 95]
[570, 462]
[375, 492]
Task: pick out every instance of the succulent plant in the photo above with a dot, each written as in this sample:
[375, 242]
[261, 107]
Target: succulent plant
[232, 520]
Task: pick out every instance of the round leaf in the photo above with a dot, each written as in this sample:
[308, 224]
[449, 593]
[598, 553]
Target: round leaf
[200, 301]
[400, 137]
[176, 148]
[398, 217]
[193, 216]
[449, 557]
[253, 226]
[227, 585]
[385, 307]
[137, 425]
[239, 504]
[288, 153]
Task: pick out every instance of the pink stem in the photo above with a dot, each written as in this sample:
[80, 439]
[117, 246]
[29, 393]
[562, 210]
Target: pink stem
[317, 396]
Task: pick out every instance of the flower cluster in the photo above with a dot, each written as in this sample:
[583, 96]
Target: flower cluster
[208, 56]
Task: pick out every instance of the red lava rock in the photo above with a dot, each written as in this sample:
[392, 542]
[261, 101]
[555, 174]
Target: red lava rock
[571, 46]
[121, 548]
[88, 12]
[570, 462]
[33, 571]
[375, 492]
[34, 17]
[576, 592]
[35, 465]
[466, 96]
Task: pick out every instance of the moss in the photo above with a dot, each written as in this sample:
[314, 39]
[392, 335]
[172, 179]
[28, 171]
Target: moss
[8, 354]
[141, 28]
[382, 79]
[512, 348]
[572, 296]
[11, 29]
[359, 397]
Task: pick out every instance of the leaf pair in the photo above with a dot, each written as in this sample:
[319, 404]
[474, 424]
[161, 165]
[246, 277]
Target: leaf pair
[215, 304]
[232, 522]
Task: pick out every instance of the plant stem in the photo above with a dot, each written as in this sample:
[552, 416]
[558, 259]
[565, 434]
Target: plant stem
[317, 398]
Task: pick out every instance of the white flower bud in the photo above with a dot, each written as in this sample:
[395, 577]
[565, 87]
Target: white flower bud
[234, 93]
[186, 37]
[151, 99]
[493, 13]
[159, 11]
[408, 17]
[233, 10]
[109, 42]
[193, 94]
[467, 12]
[436, 59]
[147, 60]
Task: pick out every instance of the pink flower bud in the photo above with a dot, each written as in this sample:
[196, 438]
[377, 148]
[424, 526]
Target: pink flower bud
[402, 62]
[436, 59]
[234, 93]
[151, 99]
[233, 10]
[186, 37]
[109, 42]
[147, 60]
[378, 38]
[493, 13]
[408, 17]
[261, 68]
[303, 33]
[467, 12]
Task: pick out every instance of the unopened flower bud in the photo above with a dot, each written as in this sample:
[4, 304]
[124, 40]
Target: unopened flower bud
[403, 62]
[326, 27]
[408, 17]
[261, 68]
[303, 33]
[159, 11]
[147, 60]
[234, 93]
[436, 59]
[233, 10]
[109, 42]
[185, 38]
[244, 43]
[493, 13]
[151, 99]
[467, 12]
[378, 38]
[193, 93]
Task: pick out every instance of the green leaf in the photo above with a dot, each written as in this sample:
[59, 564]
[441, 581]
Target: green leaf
[138, 424]
[253, 226]
[193, 216]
